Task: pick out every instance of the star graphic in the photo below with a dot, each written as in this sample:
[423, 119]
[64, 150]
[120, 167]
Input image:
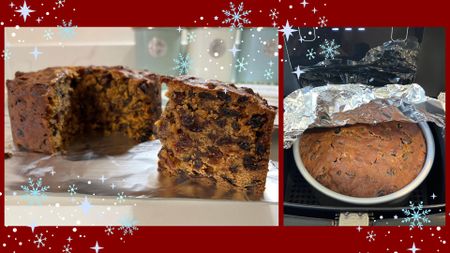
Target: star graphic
[179, 29]
[85, 205]
[413, 249]
[11, 5]
[38, 20]
[234, 50]
[69, 239]
[314, 10]
[103, 178]
[216, 18]
[287, 30]
[304, 3]
[97, 247]
[297, 72]
[433, 196]
[36, 53]
[359, 228]
[52, 172]
[113, 186]
[24, 11]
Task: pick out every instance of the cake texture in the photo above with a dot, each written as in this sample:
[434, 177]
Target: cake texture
[364, 160]
[50, 107]
[215, 131]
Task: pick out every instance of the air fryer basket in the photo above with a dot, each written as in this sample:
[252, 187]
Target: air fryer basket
[301, 200]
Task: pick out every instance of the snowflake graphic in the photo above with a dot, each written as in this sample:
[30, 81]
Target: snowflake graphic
[416, 216]
[6, 54]
[236, 17]
[66, 29]
[109, 230]
[121, 197]
[48, 34]
[72, 190]
[273, 14]
[268, 74]
[371, 236]
[60, 3]
[322, 21]
[67, 249]
[329, 49]
[240, 64]
[310, 54]
[182, 64]
[190, 37]
[40, 240]
[35, 191]
[128, 226]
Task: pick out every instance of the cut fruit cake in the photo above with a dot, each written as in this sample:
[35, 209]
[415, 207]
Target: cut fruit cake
[50, 107]
[217, 131]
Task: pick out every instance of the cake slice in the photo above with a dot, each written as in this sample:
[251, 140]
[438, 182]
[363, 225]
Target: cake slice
[50, 107]
[217, 131]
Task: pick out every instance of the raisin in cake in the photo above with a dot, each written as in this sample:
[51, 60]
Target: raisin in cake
[364, 160]
[214, 130]
[48, 108]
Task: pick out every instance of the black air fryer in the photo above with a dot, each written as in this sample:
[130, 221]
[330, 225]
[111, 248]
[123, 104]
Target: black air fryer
[373, 56]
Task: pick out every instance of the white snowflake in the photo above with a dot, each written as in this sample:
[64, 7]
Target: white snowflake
[35, 191]
[48, 34]
[128, 226]
[329, 49]
[273, 14]
[236, 17]
[310, 54]
[268, 74]
[190, 37]
[241, 64]
[67, 248]
[6, 54]
[121, 197]
[72, 190]
[40, 240]
[416, 216]
[371, 236]
[60, 3]
[322, 21]
[109, 230]
[67, 30]
[182, 64]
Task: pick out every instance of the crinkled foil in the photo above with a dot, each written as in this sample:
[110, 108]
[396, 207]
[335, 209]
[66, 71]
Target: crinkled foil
[107, 166]
[339, 105]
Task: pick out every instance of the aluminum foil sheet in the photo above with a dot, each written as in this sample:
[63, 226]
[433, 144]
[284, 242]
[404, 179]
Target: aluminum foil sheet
[339, 105]
[107, 166]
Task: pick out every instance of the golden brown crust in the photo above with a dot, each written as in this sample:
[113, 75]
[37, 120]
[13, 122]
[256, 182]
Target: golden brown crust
[364, 160]
[215, 130]
[49, 107]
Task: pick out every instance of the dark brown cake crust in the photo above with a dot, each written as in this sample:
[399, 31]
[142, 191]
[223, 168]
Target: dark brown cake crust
[215, 130]
[48, 108]
[364, 160]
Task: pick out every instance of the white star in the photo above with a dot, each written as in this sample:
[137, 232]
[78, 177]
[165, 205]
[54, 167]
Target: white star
[103, 179]
[38, 20]
[24, 11]
[287, 30]
[234, 50]
[179, 29]
[314, 10]
[433, 196]
[36, 53]
[52, 172]
[85, 205]
[297, 72]
[270, 63]
[216, 18]
[413, 249]
[359, 228]
[304, 3]
[97, 248]
[11, 5]
[113, 186]
[69, 239]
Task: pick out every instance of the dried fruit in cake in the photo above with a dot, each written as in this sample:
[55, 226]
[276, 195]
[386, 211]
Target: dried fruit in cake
[215, 130]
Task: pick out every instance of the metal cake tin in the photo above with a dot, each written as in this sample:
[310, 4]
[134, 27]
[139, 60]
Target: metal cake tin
[395, 196]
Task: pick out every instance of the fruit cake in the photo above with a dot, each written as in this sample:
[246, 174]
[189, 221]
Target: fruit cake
[217, 131]
[50, 107]
[364, 160]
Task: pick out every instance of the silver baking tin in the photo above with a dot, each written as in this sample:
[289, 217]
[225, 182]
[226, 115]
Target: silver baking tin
[402, 193]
